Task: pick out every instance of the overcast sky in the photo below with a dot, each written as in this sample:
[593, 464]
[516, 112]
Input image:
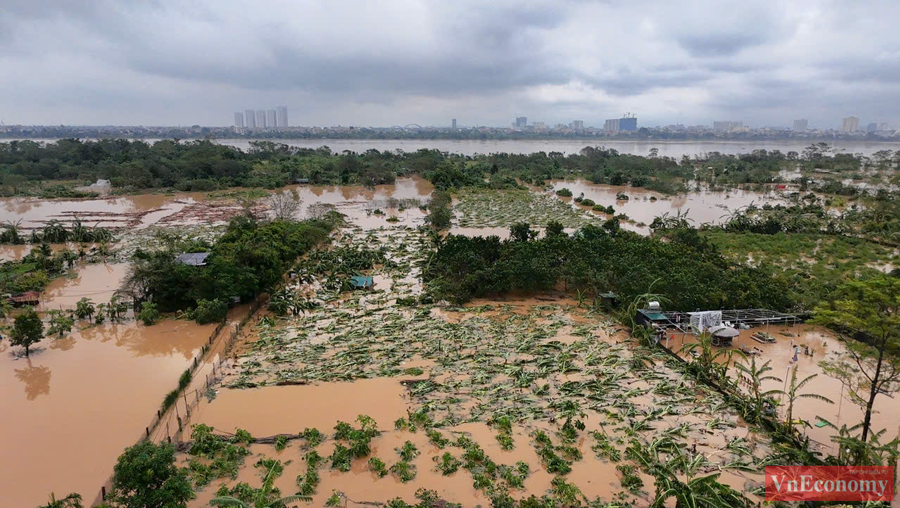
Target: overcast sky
[369, 62]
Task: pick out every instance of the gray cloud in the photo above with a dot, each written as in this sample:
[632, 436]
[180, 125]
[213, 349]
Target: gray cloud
[373, 63]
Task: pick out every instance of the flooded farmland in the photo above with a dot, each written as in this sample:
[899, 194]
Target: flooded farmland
[77, 402]
[501, 397]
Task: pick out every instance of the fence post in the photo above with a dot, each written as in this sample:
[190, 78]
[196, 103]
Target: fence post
[148, 431]
[103, 493]
[186, 404]
[179, 424]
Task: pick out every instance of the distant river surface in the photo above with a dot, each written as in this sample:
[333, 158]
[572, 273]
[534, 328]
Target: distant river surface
[674, 149]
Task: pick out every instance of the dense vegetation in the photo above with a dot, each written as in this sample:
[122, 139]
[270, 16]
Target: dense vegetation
[35, 270]
[248, 258]
[28, 166]
[686, 268]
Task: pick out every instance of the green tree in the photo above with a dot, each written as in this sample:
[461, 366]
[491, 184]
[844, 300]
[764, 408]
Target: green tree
[71, 501]
[60, 322]
[867, 316]
[793, 394]
[521, 232]
[757, 375]
[85, 309]
[6, 308]
[27, 329]
[148, 315]
[146, 476]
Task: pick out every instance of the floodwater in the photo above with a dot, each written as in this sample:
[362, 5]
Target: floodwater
[666, 148]
[78, 402]
[136, 211]
[272, 410]
[96, 282]
[141, 210]
[400, 201]
[823, 345]
[642, 205]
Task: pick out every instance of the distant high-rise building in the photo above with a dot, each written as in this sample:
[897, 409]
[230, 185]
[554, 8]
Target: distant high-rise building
[250, 118]
[872, 127]
[851, 124]
[261, 118]
[282, 117]
[271, 118]
[727, 125]
[521, 122]
[239, 120]
[540, 126]
[628, 123]
[611, 125]
[801, 125]
[884, 126]
[577, 125]
[453, 124]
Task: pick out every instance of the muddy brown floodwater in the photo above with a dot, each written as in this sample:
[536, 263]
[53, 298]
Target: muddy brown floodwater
[823, 345]
[72, 407]
[700, 206]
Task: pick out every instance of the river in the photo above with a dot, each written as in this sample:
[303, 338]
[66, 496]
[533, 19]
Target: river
[667, 148]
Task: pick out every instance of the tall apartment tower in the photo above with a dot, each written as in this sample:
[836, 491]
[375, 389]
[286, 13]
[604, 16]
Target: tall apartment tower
[250, 118]
[453, 124]
[851, 124]
[238, 120]
[261, 118]
[282, 117]
[521, 122]
[272, 118]
[801, 125]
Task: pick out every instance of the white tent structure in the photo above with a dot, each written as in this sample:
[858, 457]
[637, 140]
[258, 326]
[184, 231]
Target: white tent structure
[701, 321]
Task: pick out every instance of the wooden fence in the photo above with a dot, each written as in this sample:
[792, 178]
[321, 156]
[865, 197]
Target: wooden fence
[168, 425]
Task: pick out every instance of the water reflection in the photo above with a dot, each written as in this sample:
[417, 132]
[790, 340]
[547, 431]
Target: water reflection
[36, 379]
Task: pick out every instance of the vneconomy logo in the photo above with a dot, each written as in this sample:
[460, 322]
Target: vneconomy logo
[829, 483]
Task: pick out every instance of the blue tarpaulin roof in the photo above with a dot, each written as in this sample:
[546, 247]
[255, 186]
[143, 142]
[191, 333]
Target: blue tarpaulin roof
[361, 281]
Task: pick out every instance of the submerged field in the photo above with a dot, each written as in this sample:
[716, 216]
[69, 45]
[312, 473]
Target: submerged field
[359, 397]
[515, 397]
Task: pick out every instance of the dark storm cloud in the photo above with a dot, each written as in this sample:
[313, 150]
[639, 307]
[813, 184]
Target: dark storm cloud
[705, 45]
[377, 62]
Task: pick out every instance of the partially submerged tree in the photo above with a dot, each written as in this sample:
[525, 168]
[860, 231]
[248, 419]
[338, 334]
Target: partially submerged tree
[149, 314]
[793, 394]
[146, 476]
[867, 316]
[285, 205]
[756, 376]
[73, 500]
[27, 329]
[61, 323]
[85, 309]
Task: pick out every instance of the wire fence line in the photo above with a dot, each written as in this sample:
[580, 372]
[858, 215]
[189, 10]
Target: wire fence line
[207, 371]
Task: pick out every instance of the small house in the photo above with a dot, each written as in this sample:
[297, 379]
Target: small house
[362, 282]
[29, 298]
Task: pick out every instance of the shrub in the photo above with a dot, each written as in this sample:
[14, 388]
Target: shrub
[148, 315]
[564, 192]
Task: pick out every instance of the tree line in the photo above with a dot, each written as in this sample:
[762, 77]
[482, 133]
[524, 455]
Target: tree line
[686, 268]
[29, 167]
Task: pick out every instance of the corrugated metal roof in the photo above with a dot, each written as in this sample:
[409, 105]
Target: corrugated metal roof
[193, 258]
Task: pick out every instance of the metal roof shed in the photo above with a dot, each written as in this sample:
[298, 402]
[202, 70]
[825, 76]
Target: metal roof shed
[193, 258]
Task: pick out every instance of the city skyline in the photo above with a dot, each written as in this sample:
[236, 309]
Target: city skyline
[100, 63]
